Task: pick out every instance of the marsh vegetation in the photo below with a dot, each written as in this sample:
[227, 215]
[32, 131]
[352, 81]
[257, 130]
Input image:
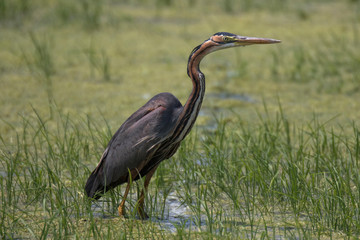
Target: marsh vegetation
[275, 153]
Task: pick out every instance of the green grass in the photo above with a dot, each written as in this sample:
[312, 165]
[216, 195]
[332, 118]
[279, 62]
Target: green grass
[271, 179]
[282, 164]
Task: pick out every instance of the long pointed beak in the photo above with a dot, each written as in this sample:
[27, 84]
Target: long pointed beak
[242, 40]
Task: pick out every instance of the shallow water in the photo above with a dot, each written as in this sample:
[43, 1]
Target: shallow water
[177, 214]
[3, 174]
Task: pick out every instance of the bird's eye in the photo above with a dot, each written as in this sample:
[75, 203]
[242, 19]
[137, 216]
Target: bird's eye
[225, 39]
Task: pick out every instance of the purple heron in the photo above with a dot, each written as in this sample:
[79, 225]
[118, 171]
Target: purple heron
[154, 132]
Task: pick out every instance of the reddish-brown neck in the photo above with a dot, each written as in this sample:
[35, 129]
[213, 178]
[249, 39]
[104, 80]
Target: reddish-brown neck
[192, 106]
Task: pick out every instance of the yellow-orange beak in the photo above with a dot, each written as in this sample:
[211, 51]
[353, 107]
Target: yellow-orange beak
[243, 40]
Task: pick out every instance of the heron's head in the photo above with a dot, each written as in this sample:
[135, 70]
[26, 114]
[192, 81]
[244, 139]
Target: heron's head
[222, 40]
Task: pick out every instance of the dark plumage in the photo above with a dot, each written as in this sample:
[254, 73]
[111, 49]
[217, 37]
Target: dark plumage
[154, 132]
[136, 143]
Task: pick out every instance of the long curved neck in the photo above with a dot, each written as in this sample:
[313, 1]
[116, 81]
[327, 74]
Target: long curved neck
[192, 106]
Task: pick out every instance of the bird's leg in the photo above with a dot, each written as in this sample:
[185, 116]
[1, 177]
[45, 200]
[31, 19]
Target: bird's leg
[121, 206]
[132, 176]
[140, 205]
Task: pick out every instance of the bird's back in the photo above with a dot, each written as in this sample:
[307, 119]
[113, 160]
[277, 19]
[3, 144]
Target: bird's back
[137, 144]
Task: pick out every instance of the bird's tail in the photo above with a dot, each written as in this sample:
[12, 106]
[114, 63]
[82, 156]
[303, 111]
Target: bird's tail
[94, 187]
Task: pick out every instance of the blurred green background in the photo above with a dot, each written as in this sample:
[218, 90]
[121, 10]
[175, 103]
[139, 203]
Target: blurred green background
[109, 57]
[72, 71]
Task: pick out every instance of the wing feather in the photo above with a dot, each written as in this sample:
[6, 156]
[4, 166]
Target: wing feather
[135, 143]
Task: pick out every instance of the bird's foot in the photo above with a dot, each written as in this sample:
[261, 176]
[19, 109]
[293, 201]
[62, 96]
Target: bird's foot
[121, 210]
